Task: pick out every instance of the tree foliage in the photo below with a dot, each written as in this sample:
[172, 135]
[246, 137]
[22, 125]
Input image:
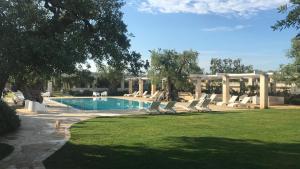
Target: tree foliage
[175, 67]
[292, 19]
[51, 37]
[110, 77]
[229, 66]
[290, 73]
[80, 78]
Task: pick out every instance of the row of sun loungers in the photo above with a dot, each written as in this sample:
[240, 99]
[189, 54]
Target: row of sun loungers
[155, 96]
[156, 108]
[242, 102]
[97, 94]
[195, 105]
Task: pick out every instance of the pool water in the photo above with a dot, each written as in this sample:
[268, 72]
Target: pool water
[102, 103]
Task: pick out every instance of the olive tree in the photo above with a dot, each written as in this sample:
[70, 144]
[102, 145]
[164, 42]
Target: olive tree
[50, 37]
[175, 67]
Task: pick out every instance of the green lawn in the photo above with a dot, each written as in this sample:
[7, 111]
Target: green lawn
[5, 150]
[268, 139]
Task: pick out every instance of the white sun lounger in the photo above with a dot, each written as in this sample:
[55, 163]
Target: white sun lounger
[154, 96]
[203, 105]
[132, 94]
[203, 96]
[143, 95]
[104, 93]
[191, 106]
[169, 107]
[242, 97]
[231, 100]
[136, 94]
[154, 108]
[46, 94]
[242, 103]
[18, 97]
[96, 94]
[213, 98]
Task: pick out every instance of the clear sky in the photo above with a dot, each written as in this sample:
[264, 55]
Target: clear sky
[214, 28]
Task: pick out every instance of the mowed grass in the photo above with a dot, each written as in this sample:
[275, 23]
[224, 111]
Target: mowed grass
[5, 150]
[254, 139]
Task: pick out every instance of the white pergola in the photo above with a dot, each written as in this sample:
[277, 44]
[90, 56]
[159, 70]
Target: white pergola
[225, 77]
[141, 84]
[264, 84]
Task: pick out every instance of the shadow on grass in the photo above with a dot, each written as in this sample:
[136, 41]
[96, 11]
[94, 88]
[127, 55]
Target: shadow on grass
[184, 153]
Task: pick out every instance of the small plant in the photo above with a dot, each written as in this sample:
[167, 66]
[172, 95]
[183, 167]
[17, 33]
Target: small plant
[9, 120]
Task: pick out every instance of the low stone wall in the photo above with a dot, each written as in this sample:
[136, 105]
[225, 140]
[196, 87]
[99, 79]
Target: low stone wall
[273, 100]
[276, 100]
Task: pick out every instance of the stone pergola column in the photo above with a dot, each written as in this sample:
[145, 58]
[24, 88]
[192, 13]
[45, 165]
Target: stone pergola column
[130, 83]
[153, 88]
[50, 87]
[141, 87]
[122, 84]
[198, 89]
[250, 81]
[264, 91]
[225, 87]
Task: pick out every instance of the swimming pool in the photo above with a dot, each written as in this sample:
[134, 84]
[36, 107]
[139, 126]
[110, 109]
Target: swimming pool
[102, 103]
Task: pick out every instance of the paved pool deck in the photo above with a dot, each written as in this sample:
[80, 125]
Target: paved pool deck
[38, 136]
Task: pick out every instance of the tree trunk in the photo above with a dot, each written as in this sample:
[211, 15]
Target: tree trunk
[3, 81]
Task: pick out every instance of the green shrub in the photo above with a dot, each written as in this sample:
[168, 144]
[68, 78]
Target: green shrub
[294, 100]
[9, 120]
[79, 93]
[5, 150]
[117, 93]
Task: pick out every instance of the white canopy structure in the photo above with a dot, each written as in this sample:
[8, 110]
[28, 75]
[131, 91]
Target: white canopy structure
[264, 84]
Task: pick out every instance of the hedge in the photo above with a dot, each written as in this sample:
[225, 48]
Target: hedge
[9, 120]
[5, 150]
[83, 93]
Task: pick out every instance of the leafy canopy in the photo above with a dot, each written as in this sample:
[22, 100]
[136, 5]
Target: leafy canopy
[173, 66]
[292, 19]
[53, 36]
[229, 66]
[290, 73]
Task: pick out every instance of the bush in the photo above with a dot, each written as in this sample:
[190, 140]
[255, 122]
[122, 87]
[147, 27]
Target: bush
[9, 120]
[5, 150]
[79, 93]
[294, 100]
[117, 93]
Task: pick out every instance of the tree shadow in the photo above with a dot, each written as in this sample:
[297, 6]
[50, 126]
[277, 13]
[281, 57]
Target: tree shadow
[181, 153]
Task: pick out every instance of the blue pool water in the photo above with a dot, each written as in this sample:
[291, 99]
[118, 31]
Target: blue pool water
[102, 103]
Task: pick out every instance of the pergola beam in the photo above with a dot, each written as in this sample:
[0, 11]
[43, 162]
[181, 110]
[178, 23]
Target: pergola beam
[230, 75]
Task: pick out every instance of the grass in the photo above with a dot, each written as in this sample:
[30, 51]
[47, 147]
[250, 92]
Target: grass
[5, 150]
[267, 139]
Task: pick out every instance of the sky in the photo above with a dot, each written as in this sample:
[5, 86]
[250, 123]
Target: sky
[214, 28]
